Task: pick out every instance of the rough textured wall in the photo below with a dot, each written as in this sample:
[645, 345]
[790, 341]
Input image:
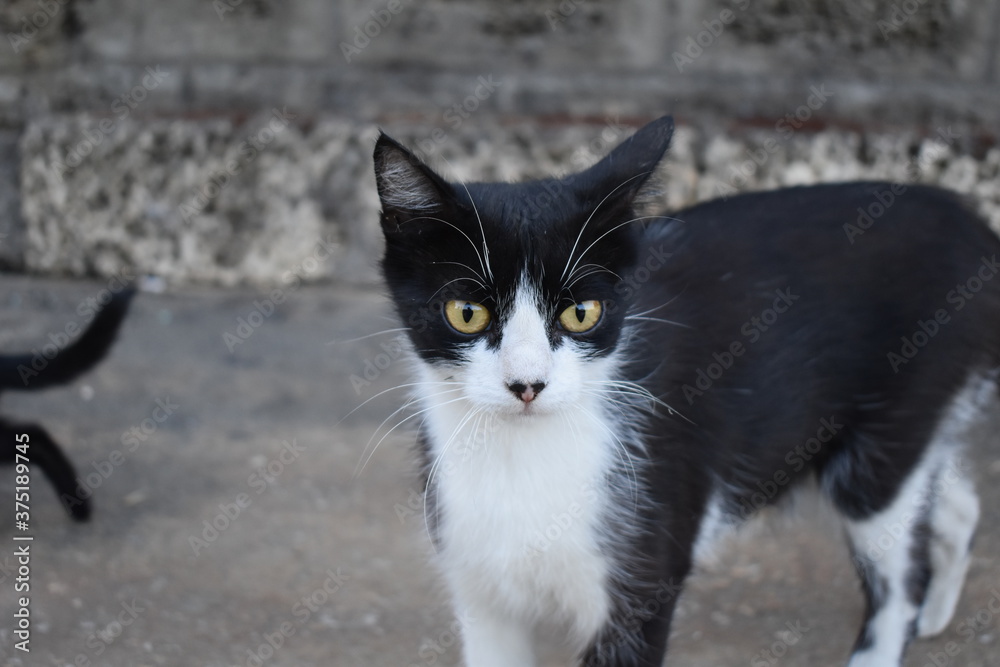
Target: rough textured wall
[229, 141]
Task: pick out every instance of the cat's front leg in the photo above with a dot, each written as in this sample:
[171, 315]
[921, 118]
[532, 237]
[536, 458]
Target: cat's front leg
[490, 639]
[636, 634]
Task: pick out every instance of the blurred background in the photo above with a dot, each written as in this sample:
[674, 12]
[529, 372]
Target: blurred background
[222, 149]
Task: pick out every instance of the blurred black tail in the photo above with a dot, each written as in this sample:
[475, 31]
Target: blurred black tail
[32, 371]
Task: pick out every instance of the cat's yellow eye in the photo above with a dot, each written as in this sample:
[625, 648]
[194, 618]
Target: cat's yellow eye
[581, 317]
[467, 317]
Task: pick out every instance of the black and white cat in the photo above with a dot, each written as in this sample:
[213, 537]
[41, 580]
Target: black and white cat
[31, 371]
[603, 394]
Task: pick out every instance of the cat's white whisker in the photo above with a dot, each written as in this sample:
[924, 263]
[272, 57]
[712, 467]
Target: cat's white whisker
[656, 319]
[603, 395]
[358, 469]
[436, 464]
[456, 280]
[479, 276]
[400, 423]
[386, 391]
[584, 274]
[371, 335]
[640, 391]
[483, 262]
[486, 250]
[618, 226]
[662, 305]
[625, 457]
[591, 217]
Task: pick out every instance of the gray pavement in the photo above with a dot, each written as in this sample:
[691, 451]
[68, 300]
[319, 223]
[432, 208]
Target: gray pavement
[329, 567]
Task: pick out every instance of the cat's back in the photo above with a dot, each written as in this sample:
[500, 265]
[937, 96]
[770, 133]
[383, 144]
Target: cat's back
[844, 220]
[789, 277]
[893, 242]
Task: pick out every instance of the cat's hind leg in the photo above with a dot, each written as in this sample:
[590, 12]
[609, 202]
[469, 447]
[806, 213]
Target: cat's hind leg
[884, 494]
[890, 551]
[952, 523]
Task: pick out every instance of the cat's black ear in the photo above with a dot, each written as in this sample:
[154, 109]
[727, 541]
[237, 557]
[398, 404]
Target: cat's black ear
[628, 167]
[407, 187]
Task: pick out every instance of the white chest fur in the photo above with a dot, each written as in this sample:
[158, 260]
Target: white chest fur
[520, 502]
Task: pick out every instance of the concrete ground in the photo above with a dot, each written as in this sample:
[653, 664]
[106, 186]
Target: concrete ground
[329, 567]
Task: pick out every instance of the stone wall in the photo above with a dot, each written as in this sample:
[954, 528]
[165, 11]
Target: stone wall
[229, 141]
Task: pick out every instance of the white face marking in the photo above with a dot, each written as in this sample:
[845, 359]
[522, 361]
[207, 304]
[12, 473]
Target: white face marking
[521, 486]
[525, 357]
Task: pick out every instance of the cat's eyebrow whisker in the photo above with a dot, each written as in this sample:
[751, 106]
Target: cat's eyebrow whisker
[483, 263]
[486, 250]
[591, 217]
[400, 423]
[618, 226]
[371, 335]
[584, 274]
[468, 268]
[456, 280]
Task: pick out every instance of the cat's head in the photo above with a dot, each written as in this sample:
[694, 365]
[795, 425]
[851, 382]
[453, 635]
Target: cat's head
[513, 290]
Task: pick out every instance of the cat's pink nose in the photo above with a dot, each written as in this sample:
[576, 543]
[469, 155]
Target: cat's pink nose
[525, 392]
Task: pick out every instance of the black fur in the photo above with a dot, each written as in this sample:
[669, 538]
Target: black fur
[750, 389]
[18, 372]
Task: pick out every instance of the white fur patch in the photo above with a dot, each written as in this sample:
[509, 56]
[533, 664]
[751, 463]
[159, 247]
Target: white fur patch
[956, 508]
[521, 490]
[937, 484]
